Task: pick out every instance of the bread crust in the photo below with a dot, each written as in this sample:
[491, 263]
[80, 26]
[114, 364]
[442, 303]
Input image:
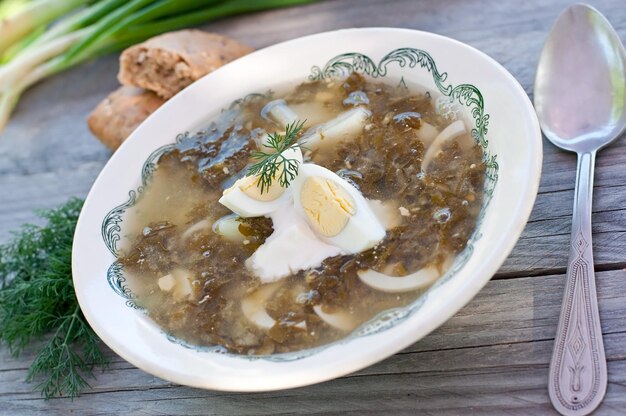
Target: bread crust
[168, 63]
[118, 115]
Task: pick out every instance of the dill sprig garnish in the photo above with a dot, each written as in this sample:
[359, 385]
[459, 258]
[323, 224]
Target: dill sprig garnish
[37, 301]
[275, 163]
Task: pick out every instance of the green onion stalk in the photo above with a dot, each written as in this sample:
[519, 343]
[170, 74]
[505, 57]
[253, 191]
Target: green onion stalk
[39, 38]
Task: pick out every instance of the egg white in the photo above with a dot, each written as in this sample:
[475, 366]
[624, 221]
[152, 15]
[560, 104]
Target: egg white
[244, 205]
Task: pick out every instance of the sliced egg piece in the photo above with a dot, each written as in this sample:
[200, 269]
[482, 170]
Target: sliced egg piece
[228, 227]
[341, 319]
[201, 225]
[301, 325]
[167, 283]
[335, 210]
[427, 133]
[393, 284]
[177, 282]
[419, 279]
[253, 306]
[345, 126]
[245, 198]
[454, 130]
[279, 112]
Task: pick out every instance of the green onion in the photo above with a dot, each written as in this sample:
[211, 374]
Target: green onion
[43, 37]
[9, 8]
[33, 15]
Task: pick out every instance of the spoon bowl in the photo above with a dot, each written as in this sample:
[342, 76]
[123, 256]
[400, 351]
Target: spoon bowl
[580, 99]
[580, 87]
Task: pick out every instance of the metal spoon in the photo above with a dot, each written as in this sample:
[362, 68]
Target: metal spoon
[580, 98]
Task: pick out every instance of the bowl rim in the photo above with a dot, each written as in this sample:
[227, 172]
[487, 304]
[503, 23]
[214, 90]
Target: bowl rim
[378, 352]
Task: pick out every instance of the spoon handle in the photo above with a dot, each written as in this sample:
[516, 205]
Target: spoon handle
[578, 377]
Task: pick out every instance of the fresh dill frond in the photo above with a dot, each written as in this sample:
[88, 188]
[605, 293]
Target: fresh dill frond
[37, 301]
[272, 164]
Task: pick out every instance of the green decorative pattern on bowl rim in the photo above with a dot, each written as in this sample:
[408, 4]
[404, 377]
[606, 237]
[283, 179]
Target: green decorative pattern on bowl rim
[465, 95]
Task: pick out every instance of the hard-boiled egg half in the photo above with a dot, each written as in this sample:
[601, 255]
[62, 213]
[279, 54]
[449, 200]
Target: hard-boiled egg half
[335, 210]
[246, 199]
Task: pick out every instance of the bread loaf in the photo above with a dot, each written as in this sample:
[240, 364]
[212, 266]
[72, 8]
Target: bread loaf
[118, 115]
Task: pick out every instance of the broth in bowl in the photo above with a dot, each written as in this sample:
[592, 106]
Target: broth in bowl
[293, 219]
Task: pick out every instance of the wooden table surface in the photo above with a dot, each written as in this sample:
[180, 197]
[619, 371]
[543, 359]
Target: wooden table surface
[491, 358]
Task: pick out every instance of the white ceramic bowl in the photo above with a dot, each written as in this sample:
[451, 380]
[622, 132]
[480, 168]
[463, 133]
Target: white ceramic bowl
[504, 122]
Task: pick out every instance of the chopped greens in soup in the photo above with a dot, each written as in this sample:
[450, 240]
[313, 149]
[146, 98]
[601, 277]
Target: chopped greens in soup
[292, 220]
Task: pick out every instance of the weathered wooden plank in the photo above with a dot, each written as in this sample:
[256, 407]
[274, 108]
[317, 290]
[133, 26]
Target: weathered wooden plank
[609, 253]
[558, 204]
[511, 322]
[521, 310]
[559, 167]
[52, 189]
[549, 227]
[494, 390]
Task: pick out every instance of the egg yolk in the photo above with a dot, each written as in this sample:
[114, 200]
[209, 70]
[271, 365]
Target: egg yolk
[328, 207]
[250, 186]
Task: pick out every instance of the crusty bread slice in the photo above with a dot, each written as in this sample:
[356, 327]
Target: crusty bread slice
[168, 63]
[118, 115]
